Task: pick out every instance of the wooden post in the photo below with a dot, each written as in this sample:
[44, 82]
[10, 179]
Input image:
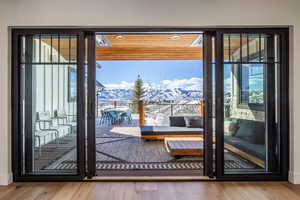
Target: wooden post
[141, 113]
[201, 107]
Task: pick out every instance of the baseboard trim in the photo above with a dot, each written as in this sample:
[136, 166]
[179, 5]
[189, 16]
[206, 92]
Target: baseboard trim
[294, 177]
[5, 179]
[150, 178]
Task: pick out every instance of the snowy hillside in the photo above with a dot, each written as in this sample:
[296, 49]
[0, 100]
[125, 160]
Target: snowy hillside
[166, 90]
[174, 94]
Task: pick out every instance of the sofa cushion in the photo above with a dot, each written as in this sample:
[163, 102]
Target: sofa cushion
[257, 150]
[194, 121]
[177, 121]
[167, 130]
[232, 127]
[251, 131]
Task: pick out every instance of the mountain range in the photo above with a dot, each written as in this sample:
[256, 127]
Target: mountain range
[152, 94]
[166, 90]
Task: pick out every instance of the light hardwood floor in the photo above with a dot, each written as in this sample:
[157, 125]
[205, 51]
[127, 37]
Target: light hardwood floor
[152, 190]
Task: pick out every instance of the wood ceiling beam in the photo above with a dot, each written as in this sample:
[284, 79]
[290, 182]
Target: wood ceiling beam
[149, 53]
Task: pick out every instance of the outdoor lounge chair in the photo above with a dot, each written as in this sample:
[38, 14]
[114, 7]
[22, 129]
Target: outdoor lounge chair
[64, 120]
[39, 135]
[44, 130]
[45, 127]
[45, 123]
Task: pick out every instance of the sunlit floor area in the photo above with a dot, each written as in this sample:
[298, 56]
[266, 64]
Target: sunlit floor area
[152, 190]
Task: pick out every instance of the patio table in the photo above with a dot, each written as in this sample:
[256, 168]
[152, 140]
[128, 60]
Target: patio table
[118, 109]
[116, 113]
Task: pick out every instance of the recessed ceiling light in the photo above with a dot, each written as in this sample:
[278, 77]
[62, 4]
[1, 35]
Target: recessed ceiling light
[102, 40]
[198, 42]
[175, 37]
[119, 37]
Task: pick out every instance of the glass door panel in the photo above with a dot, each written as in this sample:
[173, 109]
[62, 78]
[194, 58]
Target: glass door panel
[51, 105]
[249, 103]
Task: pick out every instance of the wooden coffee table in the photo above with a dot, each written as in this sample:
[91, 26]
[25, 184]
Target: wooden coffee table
[185, 146]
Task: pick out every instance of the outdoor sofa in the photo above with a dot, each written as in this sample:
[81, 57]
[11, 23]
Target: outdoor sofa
[180, 126]
[248, 141]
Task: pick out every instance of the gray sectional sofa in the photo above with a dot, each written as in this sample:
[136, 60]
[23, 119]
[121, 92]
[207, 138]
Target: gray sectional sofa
[179, 126]
[248, 141]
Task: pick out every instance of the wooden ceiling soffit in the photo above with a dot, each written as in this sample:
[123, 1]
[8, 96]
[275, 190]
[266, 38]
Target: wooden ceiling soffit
[149, 53]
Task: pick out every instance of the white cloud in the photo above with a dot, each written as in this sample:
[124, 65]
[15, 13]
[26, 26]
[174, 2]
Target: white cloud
[188, 84]
[122, 85]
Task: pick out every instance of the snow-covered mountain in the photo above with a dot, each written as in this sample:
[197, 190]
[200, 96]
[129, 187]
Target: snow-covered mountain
[166, 90]
[152, 94]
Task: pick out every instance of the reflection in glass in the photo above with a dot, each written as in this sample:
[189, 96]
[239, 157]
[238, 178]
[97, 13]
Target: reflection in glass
[251, 83]
[49, 114]
[244, 125]
[245, 47]
[249, 76]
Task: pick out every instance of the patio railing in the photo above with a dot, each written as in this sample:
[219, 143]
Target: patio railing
[152, 109]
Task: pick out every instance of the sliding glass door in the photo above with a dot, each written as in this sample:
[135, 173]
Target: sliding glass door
[48, 81]
[250, 75]
[238, 103]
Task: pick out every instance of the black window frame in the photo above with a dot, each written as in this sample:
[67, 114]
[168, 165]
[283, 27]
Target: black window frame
[283, 127]
[16, 143]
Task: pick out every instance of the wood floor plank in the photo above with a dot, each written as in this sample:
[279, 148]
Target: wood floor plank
[84, 192]
[151, 190]
[68, 191]
[30, 191]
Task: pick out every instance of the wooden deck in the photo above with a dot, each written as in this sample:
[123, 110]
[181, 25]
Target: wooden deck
[123, 143]
[121, 147]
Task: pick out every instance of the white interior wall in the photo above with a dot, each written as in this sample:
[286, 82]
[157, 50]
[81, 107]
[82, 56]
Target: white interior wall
[147, 13]
[51, 83]
[51, 93]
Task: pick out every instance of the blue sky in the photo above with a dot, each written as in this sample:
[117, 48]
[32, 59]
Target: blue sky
[150, 70]
[167, 73]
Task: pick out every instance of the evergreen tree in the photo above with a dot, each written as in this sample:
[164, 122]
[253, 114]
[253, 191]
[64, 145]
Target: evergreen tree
[138, 93]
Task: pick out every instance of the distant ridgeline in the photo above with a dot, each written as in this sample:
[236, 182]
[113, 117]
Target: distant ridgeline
[161, 95]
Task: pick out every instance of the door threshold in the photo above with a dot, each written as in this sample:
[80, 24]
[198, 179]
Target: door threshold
[150, 178]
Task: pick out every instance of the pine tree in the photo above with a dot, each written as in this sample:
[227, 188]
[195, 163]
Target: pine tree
[138, 93]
